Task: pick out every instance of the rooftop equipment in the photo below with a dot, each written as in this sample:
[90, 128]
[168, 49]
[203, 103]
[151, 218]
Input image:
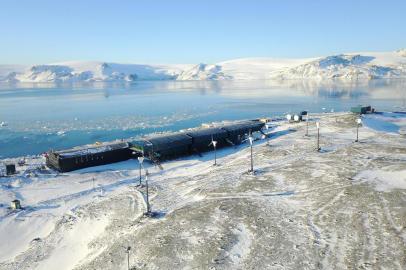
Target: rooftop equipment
[297, 117]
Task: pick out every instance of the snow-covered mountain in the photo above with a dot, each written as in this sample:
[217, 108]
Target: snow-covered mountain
[351, 66]
[91, 72]
[203, 72]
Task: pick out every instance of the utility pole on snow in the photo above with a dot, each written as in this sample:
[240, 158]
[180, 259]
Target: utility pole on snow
[215, 152]
[140, 161]
[307, 125]
[359, 122]
[267, 134]
[318, 136]
[128, 257]
[251, 140]
[146, 186]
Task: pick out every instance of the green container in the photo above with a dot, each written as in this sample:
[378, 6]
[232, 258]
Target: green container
[361, 109]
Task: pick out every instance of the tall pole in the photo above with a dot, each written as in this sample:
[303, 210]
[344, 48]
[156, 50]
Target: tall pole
[214, 143]
[215, 155]
[140, 161]
[318, 136]
[251, 139]
[128, 260]
[128, 257]
[252, 161]
[146, 183]
[307, 125]
[140, 174]
[359, 121]
[267, 135]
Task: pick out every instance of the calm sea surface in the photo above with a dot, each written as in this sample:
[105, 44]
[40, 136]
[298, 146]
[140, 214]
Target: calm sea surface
[46, 116]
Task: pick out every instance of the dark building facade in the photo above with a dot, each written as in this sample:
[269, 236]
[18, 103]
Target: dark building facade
[164, 147]
[10, 169]
[156, 148]
[198, 140]
[202, 138]
[237, 132]
[74, 159]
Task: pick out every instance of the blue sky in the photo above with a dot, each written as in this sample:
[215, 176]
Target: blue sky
[45, 31]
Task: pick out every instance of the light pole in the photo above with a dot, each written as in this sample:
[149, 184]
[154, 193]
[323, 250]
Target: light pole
[307, 125]
[251, 140]
[359, 122]
[267, 135]
[128, 256]
[318, 136]
[140, 161]
[101, 190]
[215, 152]
[146, 184]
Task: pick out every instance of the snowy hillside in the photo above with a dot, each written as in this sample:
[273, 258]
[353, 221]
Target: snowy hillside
[93, 71]
[351, 66]
[257, 68]
[7, 71]
[340, 208]
[203, 72]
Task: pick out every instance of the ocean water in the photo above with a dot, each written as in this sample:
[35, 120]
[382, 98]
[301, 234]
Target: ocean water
[40, 117]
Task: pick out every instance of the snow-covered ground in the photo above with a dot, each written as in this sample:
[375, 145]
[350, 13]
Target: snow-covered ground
[347, 67]
[340, 208]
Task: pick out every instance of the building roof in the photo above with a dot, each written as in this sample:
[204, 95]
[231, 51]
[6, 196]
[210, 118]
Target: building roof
[177, 137]
[164, 141]
[246, 125]
[87, 150]
[201, 132]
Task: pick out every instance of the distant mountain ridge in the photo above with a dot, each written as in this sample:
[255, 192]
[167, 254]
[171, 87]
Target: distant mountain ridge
[351, 66]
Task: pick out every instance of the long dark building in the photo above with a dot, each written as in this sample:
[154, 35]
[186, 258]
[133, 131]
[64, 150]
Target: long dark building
[156, 148]
[161, 147]
[202, 138]
[192, 141]
[78, 158]
[239, 130]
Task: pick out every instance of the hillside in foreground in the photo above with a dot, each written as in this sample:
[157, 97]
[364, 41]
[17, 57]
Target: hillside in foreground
[341, 208]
